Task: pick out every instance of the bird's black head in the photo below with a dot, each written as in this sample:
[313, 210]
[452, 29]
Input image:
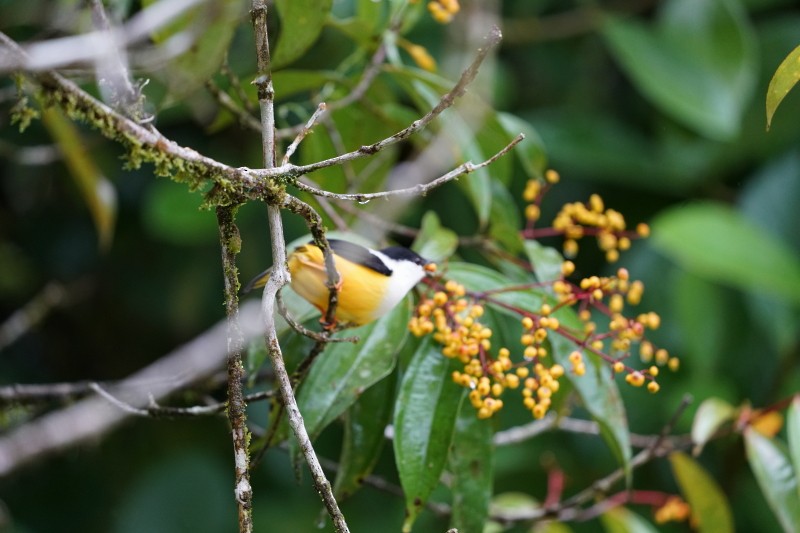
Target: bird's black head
[404, 254]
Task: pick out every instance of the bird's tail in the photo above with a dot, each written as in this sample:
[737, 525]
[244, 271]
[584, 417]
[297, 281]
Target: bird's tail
[258, 281]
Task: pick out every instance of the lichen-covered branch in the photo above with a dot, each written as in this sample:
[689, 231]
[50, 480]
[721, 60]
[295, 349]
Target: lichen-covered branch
[230, 242]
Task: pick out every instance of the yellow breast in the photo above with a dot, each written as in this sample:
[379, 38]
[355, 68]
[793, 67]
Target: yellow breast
[360, 295]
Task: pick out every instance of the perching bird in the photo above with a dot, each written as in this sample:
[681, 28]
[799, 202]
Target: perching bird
[371, 282]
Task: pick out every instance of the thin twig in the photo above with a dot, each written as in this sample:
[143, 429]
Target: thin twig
[28, 317]
[280, 274]
[492, 39]
[225, 100]
[310, 123]
[302, 330]
[417, 190]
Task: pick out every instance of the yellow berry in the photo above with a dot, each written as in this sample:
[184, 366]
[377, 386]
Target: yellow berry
[551, 176]
[643, 230]
[567, 268]
[579, 369]
[570, 248]
[653, 387]
[512, 381]
[556, 371]
[532, 212]
[619, 367]
[612, 256]
[674, 363]
[575, 357]
[527, 322]
[538, 411]
[653, 371]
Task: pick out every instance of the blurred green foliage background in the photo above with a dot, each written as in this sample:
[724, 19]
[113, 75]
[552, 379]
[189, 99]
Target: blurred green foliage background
[656, 105]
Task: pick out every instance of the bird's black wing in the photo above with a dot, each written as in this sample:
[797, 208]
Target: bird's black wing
[360, 255]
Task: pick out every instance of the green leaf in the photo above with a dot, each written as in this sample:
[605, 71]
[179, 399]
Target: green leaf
[623, 520]
[301, 23]
[714, 241]
[424, 421]
[793, 433]
[697, 64]
[504, 218]
[546, 261]
[341, 374]
[435, 242]
[364, 425]
[709, 505]
[472, 465]
[778, 480]
[212, 25]
[785, 78]
[530, 152]
[710, 416]
[98, 193]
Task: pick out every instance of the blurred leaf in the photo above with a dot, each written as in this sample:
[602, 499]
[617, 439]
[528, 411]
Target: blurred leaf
[510, 503]
[714, 241]
[546, 262]
[709, 505]
[435, 242]
[773, 470]
[472, 465]
[504, 219]
[705, 339]
[211, 26]
[770, 201]
[697, 64]
[301, 23]
[364, 425]
[476, 185]
[98, 193]
[530, 152]
[424, 421]
[785, 78]
[288, 83]
[173, 214]
[344, 370]
[793, 433]
[623, 520]
[712, 414]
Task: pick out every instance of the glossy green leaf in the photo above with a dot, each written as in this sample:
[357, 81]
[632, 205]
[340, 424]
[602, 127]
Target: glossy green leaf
[714, 241]
[424, 421]
[709, 505]
[345, 370]
[98, 193]
[697, 63]
[301, 23]
[364, 425]
[777, 478]
[705, 340]
[623, 520]
[784, 79]
[530, 152]
[712, 414]
[435, 242]
[289, 83]
[793, 433]
[212, 26]
[472, 465]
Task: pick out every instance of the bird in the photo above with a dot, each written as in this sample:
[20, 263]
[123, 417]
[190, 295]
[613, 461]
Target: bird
[371, 282]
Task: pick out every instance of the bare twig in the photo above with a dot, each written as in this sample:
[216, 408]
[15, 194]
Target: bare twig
[224, 99]
[280, 274]
[50, 297]
[303, 132]
[93, 416]
[417, 190]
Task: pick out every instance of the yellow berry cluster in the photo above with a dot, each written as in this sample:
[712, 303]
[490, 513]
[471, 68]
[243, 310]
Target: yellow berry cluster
[674, 510]
[443, 11]
[609, 295]
[576, 220]
[534, 190]
[455, 324]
